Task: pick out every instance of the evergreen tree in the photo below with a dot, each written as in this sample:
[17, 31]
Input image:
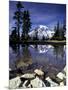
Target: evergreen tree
[57, 32]
[64, 29]
[13, 36]
[26, 24]
[18, 18]
[54, 34]
[55, 28]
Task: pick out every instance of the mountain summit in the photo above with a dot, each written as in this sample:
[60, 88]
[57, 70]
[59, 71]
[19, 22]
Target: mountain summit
[41, 31]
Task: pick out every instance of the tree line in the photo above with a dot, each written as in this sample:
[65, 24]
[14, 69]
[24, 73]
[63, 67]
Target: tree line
[60, 32]
[23, 21]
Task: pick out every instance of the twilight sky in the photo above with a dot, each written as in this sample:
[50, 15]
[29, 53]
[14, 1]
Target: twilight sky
[41, 13]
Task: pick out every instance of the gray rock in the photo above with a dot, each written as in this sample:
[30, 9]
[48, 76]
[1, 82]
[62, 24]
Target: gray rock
[64, 71]
[28, 76]
[14, 83]
[39, 72]
[61, 75]
[10, 69]
[37, 83]
[61, 84]
[56, 80]
[52, 84]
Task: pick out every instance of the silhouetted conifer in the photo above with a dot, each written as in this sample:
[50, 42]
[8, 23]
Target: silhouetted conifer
[18, 18]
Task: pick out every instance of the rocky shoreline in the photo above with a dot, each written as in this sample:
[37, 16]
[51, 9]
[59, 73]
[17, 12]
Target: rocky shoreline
[37, 79]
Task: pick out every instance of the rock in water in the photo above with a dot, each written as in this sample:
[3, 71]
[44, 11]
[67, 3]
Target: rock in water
[37, 83]
[14, 83]
[56, 80]
[28, 76]
[39, 72]
[52, 84]
[61, 75]
[65, 69]
[61, 84]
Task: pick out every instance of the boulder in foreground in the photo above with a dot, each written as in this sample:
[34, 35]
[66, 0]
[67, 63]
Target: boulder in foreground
[28, 76]
[14, 83]
[37, 83]
[39, 72]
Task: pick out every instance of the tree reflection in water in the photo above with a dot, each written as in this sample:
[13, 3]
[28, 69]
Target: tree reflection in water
[23, 60]
[14, 47]
[59, 55]
[59, 51]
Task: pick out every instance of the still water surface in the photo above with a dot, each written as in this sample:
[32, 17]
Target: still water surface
[51, 59]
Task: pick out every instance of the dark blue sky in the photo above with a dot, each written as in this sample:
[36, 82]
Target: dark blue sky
[41, 13]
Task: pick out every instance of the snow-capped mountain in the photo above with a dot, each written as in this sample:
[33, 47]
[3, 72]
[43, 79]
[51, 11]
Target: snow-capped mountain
[41, 31]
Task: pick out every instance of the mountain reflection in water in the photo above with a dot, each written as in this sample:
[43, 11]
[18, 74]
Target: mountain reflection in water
[51, 58]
